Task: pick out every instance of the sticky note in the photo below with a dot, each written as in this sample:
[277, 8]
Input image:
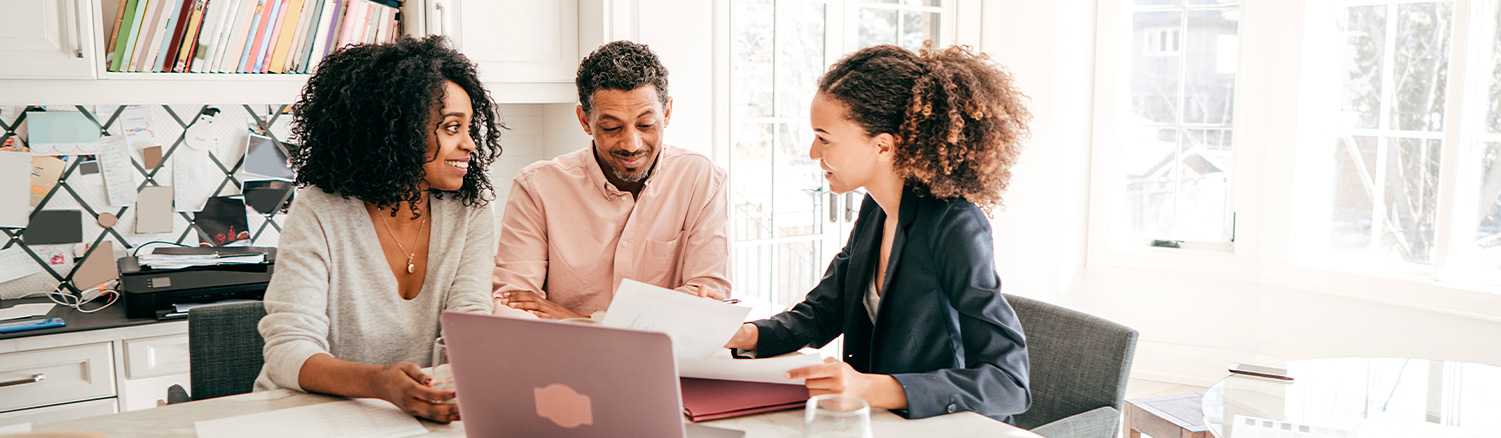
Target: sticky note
[151, 157]
[154, 210]
[54, 226]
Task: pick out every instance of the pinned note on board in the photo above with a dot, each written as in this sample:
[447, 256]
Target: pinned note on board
[54, 226]
[45, 172]
[115, 167]
[264, 158]
[151, 157]
[223, 219]
[61, 133]
[154, 210]
[15, 175]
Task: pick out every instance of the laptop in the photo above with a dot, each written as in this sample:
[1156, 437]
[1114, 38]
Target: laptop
[525, 378]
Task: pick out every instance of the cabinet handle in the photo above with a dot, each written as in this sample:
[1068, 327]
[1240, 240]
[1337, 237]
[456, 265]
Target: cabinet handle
[442, 18]
[77, 32]
[849, 206]
[24, 380]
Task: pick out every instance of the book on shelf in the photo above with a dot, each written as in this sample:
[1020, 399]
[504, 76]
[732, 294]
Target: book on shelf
[125, 31]
[234, 44]
[282, 39]
[268, 46]
[143, 38]
[110, 48]
[190, 35]
[284, 65]
[253, 42]
[159, 58]
[214, 17]
[172, 43]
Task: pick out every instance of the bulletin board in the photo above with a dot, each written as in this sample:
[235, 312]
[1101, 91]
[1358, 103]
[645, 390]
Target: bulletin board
[197, 161]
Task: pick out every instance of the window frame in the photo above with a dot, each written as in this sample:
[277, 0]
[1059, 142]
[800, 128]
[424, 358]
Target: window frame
[1268, 136]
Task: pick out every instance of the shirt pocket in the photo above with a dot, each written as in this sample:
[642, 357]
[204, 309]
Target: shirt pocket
[661, 264]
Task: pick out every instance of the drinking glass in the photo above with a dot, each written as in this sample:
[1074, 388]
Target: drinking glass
[836, 416]
[442, 372]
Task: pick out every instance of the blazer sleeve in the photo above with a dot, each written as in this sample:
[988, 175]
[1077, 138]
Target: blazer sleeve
[296, 324]
[815, 321]
[993, 381]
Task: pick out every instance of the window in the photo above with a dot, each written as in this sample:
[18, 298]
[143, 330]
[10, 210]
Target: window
[785, 224]
[1174, 134]
[1402, 148]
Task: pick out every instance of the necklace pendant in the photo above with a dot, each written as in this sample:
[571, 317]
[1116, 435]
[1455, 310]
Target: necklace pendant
[411, 267]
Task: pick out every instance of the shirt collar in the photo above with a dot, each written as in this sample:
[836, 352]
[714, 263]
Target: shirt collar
[597, 173]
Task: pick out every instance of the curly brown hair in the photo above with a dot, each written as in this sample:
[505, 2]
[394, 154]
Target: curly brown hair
[958, 118]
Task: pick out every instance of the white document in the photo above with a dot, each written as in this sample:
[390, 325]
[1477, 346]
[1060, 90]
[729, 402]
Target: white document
[136, 121]
[699, 327]
[192, 178]
[351, 418]
[15, 189]
[115, 167]
[769, 370]
[20, 311]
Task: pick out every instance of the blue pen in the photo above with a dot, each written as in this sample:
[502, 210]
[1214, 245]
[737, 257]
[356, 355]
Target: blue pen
[31, 324]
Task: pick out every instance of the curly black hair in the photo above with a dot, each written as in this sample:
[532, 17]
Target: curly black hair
[365, 117]
[620, 65]
[958, 119]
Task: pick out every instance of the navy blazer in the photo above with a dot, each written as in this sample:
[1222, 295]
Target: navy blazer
[943, 330]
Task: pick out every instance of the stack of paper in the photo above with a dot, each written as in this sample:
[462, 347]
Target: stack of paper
[171, 261]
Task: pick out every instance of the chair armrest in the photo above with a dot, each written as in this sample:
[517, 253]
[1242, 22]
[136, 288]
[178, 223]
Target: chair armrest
[1101, 422]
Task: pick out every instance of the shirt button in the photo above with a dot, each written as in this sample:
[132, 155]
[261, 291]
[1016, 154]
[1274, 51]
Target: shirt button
[625, 243]
[952, 408]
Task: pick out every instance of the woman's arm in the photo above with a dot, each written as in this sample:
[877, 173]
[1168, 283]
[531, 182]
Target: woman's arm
[994, 381]
[470, 289]
[403, 384]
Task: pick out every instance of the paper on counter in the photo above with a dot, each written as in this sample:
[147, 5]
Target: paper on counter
[15, 183]
[769, 370]
[26, 310]
[351, 418]
[698, 326]
[114, 165]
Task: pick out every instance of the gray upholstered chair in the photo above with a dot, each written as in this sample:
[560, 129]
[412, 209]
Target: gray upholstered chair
[224, 347]
[1079, 364]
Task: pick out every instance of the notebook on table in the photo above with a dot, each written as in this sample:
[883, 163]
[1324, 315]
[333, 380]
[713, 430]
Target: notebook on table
[706, 399]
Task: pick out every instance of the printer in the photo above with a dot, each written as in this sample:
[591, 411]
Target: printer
[152, 292]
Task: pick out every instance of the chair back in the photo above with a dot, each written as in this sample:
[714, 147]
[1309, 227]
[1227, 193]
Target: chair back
[1079, 362]
[225, 348]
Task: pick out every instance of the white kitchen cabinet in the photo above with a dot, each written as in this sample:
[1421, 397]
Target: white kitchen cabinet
[46, 39]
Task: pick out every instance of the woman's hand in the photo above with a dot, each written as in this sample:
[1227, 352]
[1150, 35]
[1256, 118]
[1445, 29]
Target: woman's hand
[405, 386]
[836, 377]
[746, 338]
[536, 305]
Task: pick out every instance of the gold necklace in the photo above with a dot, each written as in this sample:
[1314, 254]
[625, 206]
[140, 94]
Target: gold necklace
[411, 267]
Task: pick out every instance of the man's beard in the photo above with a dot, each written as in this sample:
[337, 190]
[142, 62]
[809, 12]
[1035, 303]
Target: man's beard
[640, 174]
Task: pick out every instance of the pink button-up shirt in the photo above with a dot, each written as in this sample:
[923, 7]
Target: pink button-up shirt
[570, 236]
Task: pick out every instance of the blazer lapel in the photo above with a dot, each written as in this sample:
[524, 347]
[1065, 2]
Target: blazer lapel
[905, 217]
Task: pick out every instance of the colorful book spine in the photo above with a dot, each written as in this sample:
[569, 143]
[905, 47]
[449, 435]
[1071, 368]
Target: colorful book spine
[283, 36]
[234, 45]
[330, 34]
[159, 60]
[247, 60]
[215, 15]
[124, 32]
[305, 26]
[114, 37]
[264, 50]
[190, 37]
[148, 32]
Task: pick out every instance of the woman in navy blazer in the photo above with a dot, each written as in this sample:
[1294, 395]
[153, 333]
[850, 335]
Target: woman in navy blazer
[931, 136]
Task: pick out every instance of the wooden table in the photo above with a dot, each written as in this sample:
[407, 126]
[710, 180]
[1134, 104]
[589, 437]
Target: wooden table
[1173, 416]
[177, 420]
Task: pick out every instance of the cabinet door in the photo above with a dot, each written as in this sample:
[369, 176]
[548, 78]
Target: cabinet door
[513, 41]
[46, 39]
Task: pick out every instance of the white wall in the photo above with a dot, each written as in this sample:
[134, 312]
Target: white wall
[1192, 324]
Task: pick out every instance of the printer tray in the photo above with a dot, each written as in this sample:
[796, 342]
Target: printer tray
[159, 305]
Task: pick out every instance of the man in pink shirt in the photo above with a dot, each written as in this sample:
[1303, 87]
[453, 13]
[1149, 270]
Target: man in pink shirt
[627, 206]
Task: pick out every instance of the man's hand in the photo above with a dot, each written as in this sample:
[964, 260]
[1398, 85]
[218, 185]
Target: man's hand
[405, 386]
[836, 377]
[536, 305]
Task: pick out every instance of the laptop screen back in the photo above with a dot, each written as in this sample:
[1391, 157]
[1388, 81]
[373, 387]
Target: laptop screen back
[518, 377]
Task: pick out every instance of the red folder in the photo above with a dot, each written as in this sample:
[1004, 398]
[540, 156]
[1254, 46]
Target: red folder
[705, 399]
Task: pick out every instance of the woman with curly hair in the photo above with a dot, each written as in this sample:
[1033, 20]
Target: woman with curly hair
[931, 136]
[391, 228]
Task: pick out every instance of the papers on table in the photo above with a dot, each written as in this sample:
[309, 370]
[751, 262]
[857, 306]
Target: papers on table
[20, 311]
[351, 418]
[179, 261]
[698, 327]
[769, 370]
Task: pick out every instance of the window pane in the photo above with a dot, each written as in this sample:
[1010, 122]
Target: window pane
[1354, 189]
[1411, 200]
[1420, 66]
[800, 207]
[1210, 58]
[877, 26]
[1203, 173]
[1212, 2]
[751, 202]
[800, 51]
[751, 46]
[1159, 2]
[752, 266]
[1364, 30]
[918, 27]
[801, 266]
[909, 2]
[1494, 115]
[1148, 161]
[1154, 66]
[1488, 233]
